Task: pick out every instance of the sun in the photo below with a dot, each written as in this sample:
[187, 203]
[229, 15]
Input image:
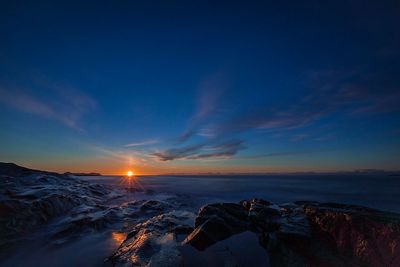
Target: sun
[129, 173]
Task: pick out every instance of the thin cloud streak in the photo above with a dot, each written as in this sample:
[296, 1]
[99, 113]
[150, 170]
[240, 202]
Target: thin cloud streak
[201, 151]
[67, 108]
[142, 143]
[282, 154]
[208, 103]
[331, 91]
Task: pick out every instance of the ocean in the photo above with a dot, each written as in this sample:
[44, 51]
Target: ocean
[375, 191]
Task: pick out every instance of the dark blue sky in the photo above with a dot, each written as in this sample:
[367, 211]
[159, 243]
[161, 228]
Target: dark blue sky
[198, 86]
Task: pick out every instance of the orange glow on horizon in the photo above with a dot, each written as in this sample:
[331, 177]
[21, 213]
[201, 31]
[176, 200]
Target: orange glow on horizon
[129, 173]
[119, 168]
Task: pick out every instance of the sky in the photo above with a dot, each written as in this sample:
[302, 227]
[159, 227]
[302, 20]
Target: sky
[162, 87]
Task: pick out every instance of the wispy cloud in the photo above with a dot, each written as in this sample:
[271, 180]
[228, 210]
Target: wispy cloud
[225, 150]
[201, 151]
[347, 93]
[326, 93]
[66, 105]
[208, 102]
[282, 154]
[142, 143]
[26, 103]
[178, 153]
[269, 119]
[359, 91]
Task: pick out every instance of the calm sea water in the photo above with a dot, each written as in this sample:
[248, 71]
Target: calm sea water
[376, 191]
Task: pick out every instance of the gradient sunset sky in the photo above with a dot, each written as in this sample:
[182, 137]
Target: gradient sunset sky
[200, 86]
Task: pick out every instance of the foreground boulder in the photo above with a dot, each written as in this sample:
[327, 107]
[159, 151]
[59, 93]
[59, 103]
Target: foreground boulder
[155, 241]
[305, 233]
[216, 222]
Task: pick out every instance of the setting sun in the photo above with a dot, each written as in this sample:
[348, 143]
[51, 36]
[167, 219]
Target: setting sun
[129, 173]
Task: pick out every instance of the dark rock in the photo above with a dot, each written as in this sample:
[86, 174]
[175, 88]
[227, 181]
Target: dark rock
[30, 198]
[305, 233]
[216, 222]
[210, 232]
[242, 249]
[363, 236]
[219, 221]
[294, 224]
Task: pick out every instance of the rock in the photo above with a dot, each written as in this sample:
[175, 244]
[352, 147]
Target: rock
[31, 198]
[154, 206]
[145, 208]
[216, 222]
[73, 224]
[305, 233]
[154, 242]
[13, 170]
[293, 222]
[242, 249]
[264, 215]
[364, 236]
[219, 221]
[234, 213]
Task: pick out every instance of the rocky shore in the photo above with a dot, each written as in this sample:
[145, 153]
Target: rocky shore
[292, 234]
[30, 199]
[171, 232]
[305, 233]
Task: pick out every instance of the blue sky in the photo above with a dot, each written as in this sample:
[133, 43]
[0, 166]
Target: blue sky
[193, 87]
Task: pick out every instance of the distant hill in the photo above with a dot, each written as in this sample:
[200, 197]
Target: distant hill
[12, 169]
[83, 173]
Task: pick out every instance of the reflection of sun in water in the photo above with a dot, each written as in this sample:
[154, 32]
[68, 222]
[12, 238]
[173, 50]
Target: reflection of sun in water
[129, 173]
[118, 238]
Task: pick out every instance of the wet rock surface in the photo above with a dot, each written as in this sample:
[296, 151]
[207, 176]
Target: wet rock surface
[29, 199]
[216, 222]
[362, 236]
[241, 249]
[155, 241]
[305, 233]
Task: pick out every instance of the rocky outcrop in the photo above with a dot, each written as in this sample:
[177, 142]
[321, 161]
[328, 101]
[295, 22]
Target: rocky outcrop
[305, 233]
[292, 234]
[362, 236]
[62, 208]
[216, 222]
[31, 198]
